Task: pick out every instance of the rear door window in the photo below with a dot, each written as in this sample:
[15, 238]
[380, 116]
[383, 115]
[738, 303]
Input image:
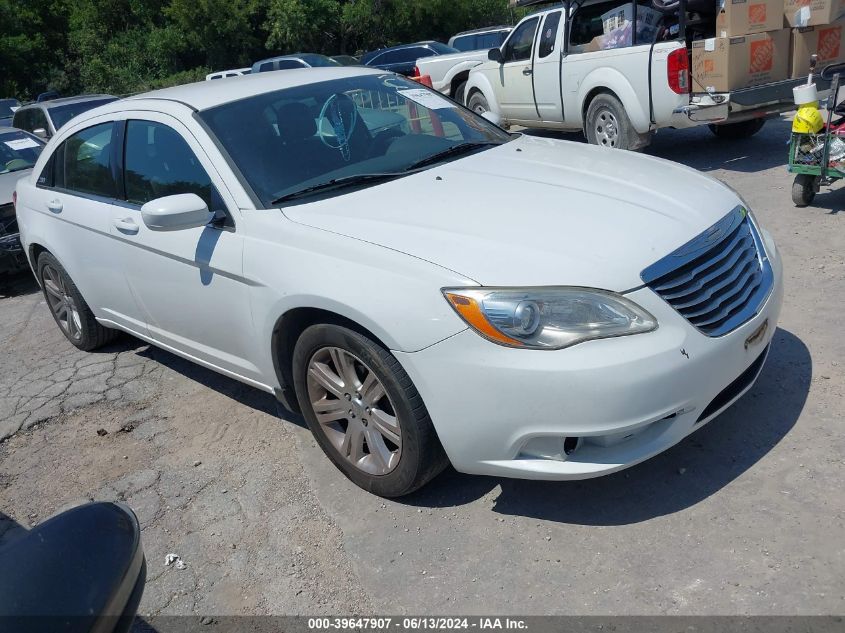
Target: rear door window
[548, 36]
[465, 43]
[85, 162]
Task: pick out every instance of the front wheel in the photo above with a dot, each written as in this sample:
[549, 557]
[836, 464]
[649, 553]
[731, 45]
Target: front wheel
[608, 125]
[364, 411]
[478, 103]
[804, 189]
[740, 130]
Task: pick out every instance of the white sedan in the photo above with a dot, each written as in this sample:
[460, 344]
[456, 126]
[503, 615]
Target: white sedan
[424, 287]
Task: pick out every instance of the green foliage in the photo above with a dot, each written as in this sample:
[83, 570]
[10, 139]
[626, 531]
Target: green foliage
[125, 46]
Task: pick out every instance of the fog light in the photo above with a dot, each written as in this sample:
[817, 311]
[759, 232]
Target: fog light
[550, 447]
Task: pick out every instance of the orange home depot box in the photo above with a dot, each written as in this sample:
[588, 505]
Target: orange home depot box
[744, 17]
[800, 13]
[828, 42]
[730, 63]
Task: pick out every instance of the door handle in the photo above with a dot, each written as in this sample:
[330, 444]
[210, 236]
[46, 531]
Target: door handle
[527, 72]
[55, 206]
[127, 225]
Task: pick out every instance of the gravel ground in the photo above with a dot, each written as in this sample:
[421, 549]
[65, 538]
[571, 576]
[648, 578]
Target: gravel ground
[743, 517]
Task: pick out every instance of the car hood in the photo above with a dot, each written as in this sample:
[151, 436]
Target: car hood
[534, 212]
[8, 182]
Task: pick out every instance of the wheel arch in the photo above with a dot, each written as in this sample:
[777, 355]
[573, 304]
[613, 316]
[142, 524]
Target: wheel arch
[612, 82]
[477, 82]
[457, 80]
[34, 251]
[286, 332]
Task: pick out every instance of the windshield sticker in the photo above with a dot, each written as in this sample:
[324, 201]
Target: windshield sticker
[427, 99]
[21, 143]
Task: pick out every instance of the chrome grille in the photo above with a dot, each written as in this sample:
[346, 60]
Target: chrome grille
[718, 280]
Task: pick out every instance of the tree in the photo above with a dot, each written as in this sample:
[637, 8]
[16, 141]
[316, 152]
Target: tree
[124, 46]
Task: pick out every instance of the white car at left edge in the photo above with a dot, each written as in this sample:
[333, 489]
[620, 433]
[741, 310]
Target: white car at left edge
[423, 286]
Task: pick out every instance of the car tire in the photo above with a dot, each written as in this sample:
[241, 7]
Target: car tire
[803, 190]
[70, 311]
[387, 458]
[740, 130]
[478, 103]
[608, 125]
[460, 92]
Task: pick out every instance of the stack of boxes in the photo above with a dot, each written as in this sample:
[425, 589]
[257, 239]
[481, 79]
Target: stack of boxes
[752, 47]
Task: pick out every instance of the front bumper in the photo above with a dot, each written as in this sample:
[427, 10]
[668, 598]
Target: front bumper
[505, 412]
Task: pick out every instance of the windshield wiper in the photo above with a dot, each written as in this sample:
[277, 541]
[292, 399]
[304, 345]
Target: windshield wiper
[455, 150]
[338, 183]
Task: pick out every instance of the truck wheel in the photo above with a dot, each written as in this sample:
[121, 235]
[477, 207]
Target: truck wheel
[608, 125]
[460, 92]
[478, 103]
[743, 129]
[803, 190]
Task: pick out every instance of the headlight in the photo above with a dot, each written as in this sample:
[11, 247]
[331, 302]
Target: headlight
[548, 318]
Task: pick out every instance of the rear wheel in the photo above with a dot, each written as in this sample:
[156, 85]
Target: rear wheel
[742, 129]
[608, 125]
[804, 190]
[478, 103]
[364, 411]
[71, 313]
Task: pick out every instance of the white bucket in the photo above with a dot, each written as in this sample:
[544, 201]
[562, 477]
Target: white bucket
[805, 93]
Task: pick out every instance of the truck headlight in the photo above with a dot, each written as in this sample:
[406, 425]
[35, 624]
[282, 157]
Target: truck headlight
[548, 318]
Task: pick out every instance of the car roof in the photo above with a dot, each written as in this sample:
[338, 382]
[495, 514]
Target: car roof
[65, 101]
[489, 29]
[368, 56]
[203, 95]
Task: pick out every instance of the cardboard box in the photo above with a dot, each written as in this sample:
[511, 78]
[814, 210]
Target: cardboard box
[828, 42]
[801, 13]
[744, 17]
[617, 17]
[729, 63]
[616, 25]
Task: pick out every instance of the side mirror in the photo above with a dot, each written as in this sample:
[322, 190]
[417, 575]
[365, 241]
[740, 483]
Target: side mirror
[40, 132]
[494, 118]
[495, 55]
[83, 570]
[175, 213]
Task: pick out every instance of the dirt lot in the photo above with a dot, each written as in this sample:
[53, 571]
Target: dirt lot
[743, 517]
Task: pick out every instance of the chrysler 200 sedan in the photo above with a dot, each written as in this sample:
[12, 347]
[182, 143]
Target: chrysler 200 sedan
[427, 292]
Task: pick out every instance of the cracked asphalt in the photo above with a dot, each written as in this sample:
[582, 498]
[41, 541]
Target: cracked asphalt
[743, 517]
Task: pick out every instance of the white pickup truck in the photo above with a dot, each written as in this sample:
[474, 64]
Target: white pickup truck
[547, 75]
[449, 73]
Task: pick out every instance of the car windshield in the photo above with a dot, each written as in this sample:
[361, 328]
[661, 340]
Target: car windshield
[347, 130]
[61, 114]
[18, 151]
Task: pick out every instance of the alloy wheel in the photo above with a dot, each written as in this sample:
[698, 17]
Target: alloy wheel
[354, 411]
[62, 303]
[607, 128]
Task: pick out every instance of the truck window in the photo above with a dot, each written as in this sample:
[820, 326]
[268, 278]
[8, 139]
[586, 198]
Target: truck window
[548, 35]
[465, 43]
[589, 32]
[521, 41]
